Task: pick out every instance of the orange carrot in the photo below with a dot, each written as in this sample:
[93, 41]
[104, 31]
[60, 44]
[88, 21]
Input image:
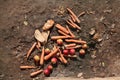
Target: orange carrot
[73, 19]
[75, 41]
[42, 56]
[74, 24]
[82, 13]
[27, 67]
[31, 49]
[62, 28]
[39, 45]
[60, 37]
[72, 13]
[61, 32]
[36, 73]
[51, 54]
[70, 32]
[62, 57]
[70, 45]
[74, 47]
[70, 24]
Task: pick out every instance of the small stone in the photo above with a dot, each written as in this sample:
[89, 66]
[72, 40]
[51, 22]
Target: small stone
[92, 32]
[93, 56]
[25, 23]
[96, 36]
[99, 40]
[80, 75]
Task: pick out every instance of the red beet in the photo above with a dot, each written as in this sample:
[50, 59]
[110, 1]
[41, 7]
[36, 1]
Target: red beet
[72, 51]
[65, 51]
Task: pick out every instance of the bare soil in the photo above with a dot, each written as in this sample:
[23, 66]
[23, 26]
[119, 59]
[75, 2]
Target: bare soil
[16, 38]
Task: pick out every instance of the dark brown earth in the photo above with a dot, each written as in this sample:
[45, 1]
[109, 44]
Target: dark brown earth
[16, 38]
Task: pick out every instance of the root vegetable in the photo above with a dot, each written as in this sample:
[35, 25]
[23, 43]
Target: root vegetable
[62, 28]
[62, 57]
[74, 47]
[42, 56]
[71, 24]
[36, 73]
[60, 37]
[61, 32]
[72, 13]
[31, 49]
[70, 45]
[70, 32]
[51, 54]
[75, 41]
[82, 13]
[27, 67]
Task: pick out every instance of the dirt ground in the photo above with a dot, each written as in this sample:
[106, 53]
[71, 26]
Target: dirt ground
[103, 57]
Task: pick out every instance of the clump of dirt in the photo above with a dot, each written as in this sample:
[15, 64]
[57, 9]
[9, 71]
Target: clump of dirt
[102, 59]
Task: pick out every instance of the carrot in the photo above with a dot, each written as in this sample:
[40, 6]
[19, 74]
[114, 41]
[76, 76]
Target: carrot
[61, 32]
[82, 13]
[39, 45]
[42, 56]
[69, 56]
[36, 73]
[51, 54]
[73, 19]
[70, 24]
[75, 41]
[27, 67]
[62, 57]
[70, 45]
[60, 37]
[72, 13]
[31, 49]
[74, 47]
[70, 32]
[62, 28]
[74, 24]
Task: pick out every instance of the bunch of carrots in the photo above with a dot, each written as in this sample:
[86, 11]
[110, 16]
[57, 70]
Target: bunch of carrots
[66, 45]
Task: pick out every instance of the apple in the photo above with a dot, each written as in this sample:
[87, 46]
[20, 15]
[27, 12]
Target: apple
[47, 51]
[65, 51]
[82, 52]
[72, 51]
[46, 72]
[50, 67]
[84, 46]
[59, 41]
[54, 60]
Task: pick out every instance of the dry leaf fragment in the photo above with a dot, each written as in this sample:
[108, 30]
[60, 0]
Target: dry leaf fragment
[38, 35]
[45, 34]
[48, 25]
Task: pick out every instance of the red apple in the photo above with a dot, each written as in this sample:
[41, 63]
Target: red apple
[82, 52]
[59, 41]
[47, 51]
[46, 72]
[65, 51]
[54, 60]
[72, 51]
[50, 67]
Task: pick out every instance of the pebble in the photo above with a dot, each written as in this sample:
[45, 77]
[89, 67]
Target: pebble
[80, 75]
[92, 32]
[96, 36]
